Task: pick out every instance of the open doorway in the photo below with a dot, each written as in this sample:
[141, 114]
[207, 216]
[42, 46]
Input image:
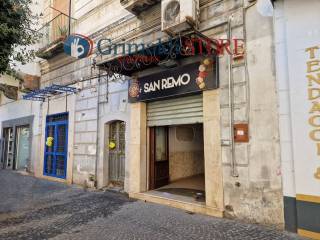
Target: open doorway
[177, 162]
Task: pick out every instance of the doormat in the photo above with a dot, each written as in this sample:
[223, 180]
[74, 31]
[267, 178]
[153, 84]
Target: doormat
[198, 195]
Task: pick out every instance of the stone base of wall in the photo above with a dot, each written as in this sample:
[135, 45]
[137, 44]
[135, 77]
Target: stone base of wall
[254, 205]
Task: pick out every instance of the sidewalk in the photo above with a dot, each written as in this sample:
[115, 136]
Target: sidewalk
[37, 209]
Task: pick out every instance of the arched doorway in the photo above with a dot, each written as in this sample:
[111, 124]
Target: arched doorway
[117, 148]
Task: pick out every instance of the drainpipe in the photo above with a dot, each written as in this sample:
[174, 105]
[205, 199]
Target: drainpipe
[234, 171]
[97, 139]
[69, 30]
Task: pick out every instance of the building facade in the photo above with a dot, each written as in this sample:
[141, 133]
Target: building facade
[89, 122]
[195, 128]
[19, 132]
[19, 128]
[181, 142]
[297, 60]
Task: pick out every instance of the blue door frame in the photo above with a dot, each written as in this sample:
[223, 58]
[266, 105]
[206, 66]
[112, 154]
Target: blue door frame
[55, 156]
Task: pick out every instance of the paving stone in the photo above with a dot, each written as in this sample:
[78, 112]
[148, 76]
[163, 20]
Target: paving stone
[31, 208]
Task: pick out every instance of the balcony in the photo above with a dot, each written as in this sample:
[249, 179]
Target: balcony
[138, 6]
[53, 34]
[9, 86]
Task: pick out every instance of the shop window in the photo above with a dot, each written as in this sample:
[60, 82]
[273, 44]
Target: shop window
[161, 146]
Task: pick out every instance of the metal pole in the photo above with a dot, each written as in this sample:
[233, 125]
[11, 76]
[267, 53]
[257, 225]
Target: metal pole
[69, 30]
[48, 105]
[98, 132]
[66, 102]
[1, 152]
[231, 106]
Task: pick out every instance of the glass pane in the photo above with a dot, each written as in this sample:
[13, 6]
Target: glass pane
[10, 146]
[122, 126]
[57, 117]
[50, 133]
[161, 144]
[113, 132]
[61, 143]
[60, 166]
[23, 147]
[122, 133]
[49, 164]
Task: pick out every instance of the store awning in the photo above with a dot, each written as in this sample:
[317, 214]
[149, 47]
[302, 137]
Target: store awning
[54, 90]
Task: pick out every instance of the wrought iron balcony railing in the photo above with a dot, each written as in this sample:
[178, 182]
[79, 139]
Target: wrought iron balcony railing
[53, 33]
[55, 30]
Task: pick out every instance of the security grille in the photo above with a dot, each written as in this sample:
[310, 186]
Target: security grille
[57, 117]
[117, 154]
[55, 162]
[2, 147]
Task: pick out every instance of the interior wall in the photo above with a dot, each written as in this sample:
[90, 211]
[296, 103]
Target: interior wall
[186, 155]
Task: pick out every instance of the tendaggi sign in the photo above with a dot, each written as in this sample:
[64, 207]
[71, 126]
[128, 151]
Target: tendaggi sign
[182, 80]
[313, 76]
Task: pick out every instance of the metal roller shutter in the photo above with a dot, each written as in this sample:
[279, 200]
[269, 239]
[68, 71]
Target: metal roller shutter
[183, 110]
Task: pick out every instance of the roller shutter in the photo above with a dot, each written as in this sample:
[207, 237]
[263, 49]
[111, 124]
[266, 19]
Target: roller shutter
[182, 110]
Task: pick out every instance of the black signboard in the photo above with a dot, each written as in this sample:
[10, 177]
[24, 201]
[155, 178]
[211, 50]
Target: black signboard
[182, 80]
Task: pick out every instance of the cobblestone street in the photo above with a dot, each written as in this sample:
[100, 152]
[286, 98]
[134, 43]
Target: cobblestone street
[37, 209]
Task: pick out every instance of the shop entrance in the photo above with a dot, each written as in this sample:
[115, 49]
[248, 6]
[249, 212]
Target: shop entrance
[23, 147]
[15, 148]
[177, 162]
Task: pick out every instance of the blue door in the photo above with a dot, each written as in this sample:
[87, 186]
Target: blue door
[56, 146]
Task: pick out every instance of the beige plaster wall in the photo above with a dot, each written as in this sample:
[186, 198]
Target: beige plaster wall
[116, 108]
[255, 195]
[212, 150]
[138, 148]
[186, 156]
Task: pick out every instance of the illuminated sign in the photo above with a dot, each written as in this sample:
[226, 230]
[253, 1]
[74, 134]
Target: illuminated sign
[182, 80]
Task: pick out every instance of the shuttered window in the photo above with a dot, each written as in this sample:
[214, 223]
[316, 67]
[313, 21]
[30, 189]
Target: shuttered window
[182, 110]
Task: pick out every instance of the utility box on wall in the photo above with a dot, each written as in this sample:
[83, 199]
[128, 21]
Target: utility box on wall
[241, 132]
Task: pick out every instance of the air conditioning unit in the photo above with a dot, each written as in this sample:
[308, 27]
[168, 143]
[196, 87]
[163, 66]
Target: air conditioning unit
[138, 6]
[179, 15]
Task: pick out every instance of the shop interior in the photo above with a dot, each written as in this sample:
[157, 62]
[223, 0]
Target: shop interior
[177, 162]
